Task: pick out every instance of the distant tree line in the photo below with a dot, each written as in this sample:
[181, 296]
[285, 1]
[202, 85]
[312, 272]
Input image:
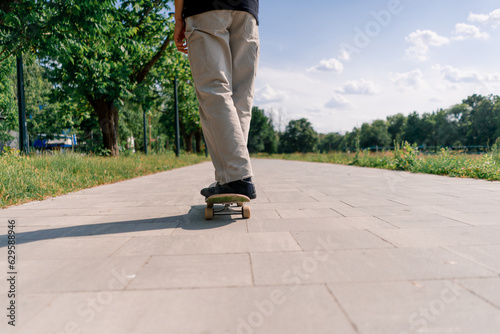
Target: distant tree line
[473, 123]
[299, 135]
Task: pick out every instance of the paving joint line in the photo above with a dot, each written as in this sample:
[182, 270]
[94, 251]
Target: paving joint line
[351, 322]
[384, 240]
[479, 296]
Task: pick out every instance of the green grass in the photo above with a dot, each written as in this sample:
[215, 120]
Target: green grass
[485, 166]
[24, 179]
[28, 178]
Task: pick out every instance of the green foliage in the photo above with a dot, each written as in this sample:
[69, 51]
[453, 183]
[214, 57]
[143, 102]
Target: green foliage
[495, 150]
[405, 158]
[102, 151]
[350, 141]
[104, 62]
[299, 136]
[189, 120]
[395, 127]
[330, 142]
[262, 137]
[459, 165]
[97, 53]
[475, 122]
[104, 47]
[7, 100]
[375, 134]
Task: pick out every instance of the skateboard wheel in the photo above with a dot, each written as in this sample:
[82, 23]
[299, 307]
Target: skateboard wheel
[209, 213]
[245, 212]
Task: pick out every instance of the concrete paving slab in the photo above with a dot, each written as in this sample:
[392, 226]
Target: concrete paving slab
[143, 227]
[317, 224]
[350, 239]
[47, 220]
[477, 208]
[223, 243]
[72, 275]
[31, 305]
[442, 236]
[487, 256]
[25, 213]
[475, 218]
[370, 265]
[194, 271]
[211, 227]
[415, 307]
[308, 309]
[413, 221]
[307, 213]
[69, 248]
[328, 248]
[486, 288]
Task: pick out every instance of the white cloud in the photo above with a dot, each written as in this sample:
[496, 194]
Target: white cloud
[413, 79]
[337, 102]
[269, 95]
[456, 75]
[359, 87]
[331, 65]
[492, 18]
[422, 40]
[466, 31]
[317, 108]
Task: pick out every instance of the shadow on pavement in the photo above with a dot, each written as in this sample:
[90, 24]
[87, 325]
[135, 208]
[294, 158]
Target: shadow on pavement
[194, 220]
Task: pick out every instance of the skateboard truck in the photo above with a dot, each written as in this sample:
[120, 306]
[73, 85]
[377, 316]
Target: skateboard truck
[232, 204]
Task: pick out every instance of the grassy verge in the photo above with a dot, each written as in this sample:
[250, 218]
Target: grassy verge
[25, 179]
[485, 167]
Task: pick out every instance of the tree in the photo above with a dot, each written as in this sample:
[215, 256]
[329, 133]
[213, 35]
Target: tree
[482, 127]
[350, 141]
[47, 113]
[7, 100]
[189, 119]
[25, 24]
[261, 137]
[439, 129]
[299, 136]
[496, 113]
[374, 134]
[177, 66]
[330, 142]
[395, 127]
[414, 132]
[107, 51]
[459, 117]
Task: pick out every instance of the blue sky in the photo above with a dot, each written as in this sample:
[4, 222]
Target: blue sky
[342, 63]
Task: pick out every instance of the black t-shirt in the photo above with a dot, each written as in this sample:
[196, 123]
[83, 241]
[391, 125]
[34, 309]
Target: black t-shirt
[193, 7]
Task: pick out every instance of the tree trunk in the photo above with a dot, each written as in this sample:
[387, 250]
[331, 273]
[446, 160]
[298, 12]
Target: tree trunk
[108, 122]
[188, 140]
[198, 139]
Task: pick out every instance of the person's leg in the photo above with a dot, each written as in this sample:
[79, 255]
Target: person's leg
[211, 64]
[245, 49]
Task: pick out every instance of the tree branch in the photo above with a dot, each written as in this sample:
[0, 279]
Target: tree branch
[11, 53]
[148, 11]
[149, 65]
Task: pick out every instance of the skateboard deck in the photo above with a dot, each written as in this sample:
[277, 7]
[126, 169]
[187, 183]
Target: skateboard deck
[232, 204]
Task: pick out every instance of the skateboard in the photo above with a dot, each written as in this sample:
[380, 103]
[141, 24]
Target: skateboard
[232, 204]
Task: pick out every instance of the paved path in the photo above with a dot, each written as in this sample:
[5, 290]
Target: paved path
[329, 249]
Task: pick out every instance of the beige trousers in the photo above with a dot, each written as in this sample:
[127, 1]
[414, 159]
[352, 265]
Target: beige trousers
[223, 52]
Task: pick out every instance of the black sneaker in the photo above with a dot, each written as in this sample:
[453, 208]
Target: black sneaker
[210, 189]
[241, 187]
